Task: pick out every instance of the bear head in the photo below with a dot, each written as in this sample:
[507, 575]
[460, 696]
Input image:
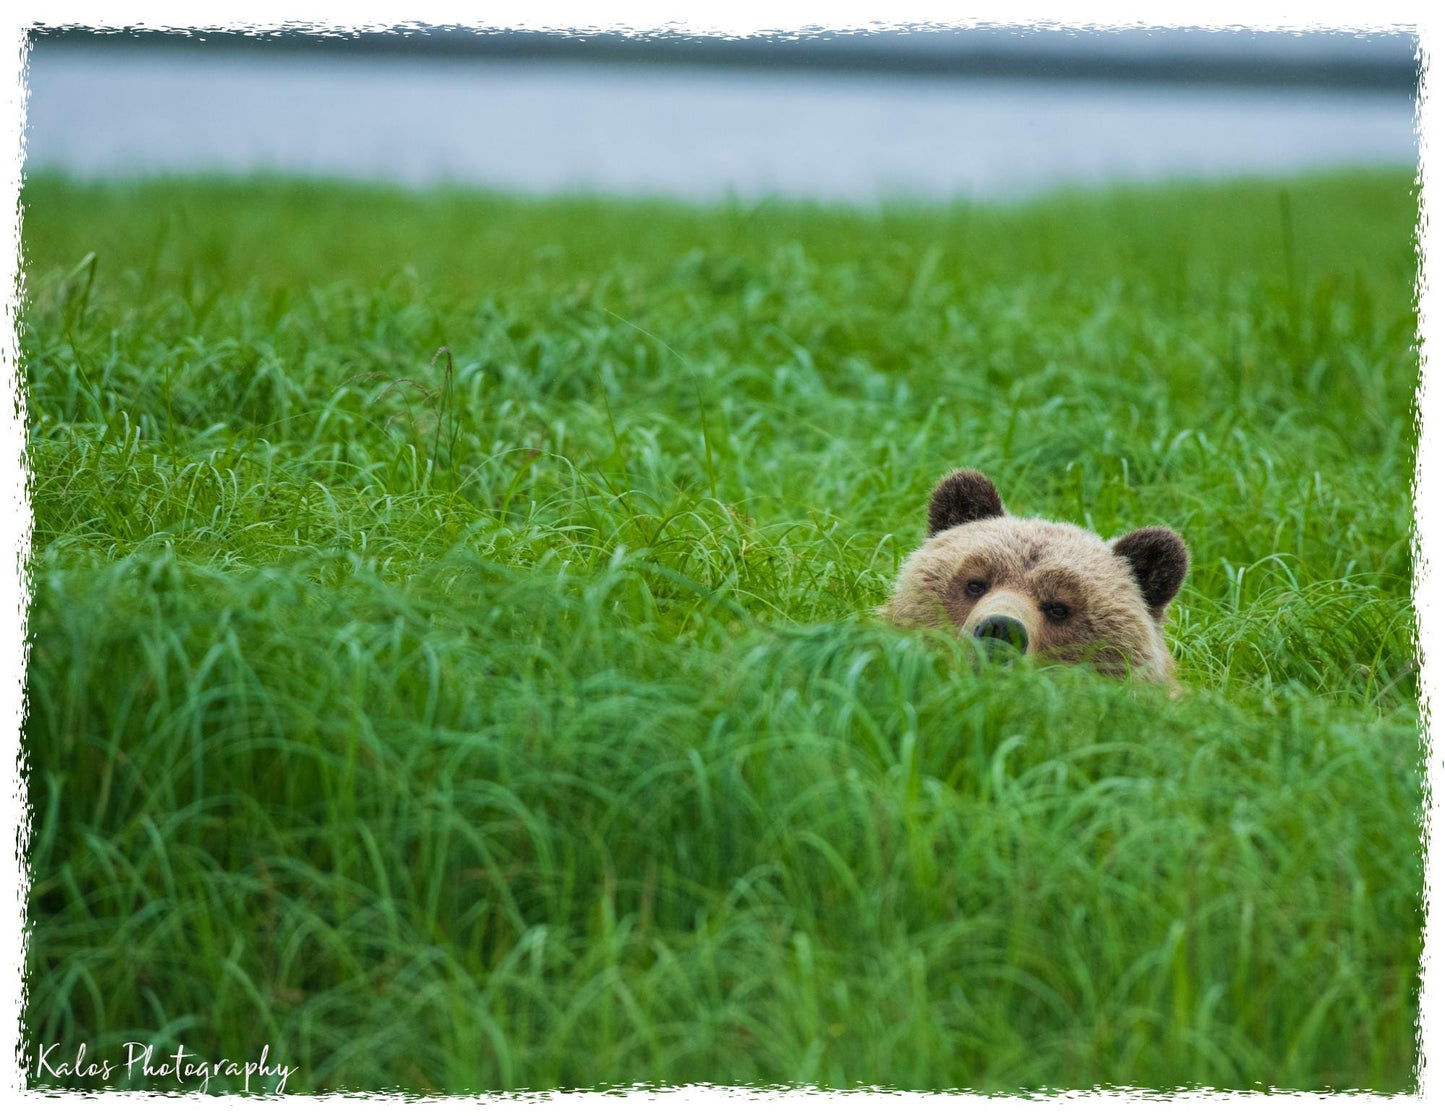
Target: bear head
[1048, 589]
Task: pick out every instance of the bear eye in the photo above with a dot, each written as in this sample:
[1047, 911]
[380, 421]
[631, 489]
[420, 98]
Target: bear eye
[1056, 611]
[976, 588]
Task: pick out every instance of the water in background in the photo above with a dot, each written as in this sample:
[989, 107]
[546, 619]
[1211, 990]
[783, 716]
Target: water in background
[690, 132]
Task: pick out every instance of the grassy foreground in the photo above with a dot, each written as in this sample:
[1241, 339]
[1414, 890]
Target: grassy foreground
[525, 725]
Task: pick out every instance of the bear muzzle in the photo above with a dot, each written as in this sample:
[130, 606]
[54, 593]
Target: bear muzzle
[1000, 633]
[1000, 621]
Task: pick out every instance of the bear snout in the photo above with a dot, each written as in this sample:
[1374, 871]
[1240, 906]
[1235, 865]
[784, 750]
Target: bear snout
[997, 631]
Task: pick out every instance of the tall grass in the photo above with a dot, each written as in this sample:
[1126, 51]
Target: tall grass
[513, 717]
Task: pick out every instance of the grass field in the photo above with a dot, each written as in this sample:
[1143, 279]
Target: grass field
[519, 720]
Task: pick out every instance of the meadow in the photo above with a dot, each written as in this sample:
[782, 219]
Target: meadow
[452, 660]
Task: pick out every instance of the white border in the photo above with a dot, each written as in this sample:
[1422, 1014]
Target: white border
[738, 18]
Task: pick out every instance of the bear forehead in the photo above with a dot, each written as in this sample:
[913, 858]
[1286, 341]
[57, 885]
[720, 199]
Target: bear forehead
[1022, 545]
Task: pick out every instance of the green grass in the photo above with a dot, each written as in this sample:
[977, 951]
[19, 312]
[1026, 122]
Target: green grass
[526, 725]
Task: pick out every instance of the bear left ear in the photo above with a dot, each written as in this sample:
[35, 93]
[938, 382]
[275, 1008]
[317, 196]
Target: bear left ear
[1159, 560]
[962, 497]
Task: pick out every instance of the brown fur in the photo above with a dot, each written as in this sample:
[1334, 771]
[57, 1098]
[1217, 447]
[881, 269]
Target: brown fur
[962, 497]
[1116, 592]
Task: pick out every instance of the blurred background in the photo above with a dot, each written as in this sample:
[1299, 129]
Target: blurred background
[862, 117]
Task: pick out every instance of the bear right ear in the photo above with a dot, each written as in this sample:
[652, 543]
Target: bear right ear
[962, 497]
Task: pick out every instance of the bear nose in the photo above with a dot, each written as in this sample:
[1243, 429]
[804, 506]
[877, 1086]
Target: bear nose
[1002, 629]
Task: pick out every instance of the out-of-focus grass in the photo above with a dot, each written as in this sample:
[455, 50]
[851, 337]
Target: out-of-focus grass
[516, 719]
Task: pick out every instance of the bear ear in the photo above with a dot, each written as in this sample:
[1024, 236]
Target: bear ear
[1159, 560]
[962, 497]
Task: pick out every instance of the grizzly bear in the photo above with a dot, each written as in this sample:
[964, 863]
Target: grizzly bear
[1048, 589]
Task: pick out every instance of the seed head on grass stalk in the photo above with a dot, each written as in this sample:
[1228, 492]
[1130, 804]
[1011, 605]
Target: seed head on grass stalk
[440, 401]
